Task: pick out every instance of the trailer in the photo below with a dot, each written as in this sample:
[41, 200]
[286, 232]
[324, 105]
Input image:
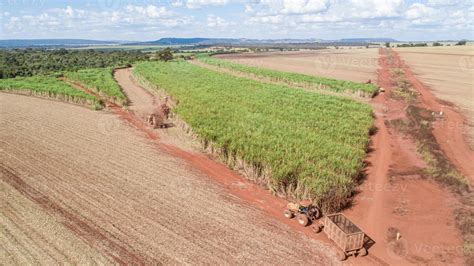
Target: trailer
[344, 233]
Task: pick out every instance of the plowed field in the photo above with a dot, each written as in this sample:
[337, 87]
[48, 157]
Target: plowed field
[80, 186]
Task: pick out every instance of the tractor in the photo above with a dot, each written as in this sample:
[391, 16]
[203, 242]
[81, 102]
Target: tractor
[304, 211]
[157, 119]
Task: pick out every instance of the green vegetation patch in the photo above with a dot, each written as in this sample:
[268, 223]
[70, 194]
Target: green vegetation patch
[340, 86]
[30, 62]
[100, 80]
[48, 86]
[301, 143]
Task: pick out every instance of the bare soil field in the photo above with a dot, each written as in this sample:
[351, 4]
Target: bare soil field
[358, 65]
[449, 73]
[81, 186]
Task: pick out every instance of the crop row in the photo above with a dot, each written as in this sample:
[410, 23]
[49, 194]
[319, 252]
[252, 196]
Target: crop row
[50, 87]
[295, 79]
[301, 143]
[101, 81]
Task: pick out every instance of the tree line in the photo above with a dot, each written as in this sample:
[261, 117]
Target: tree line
[30, 62]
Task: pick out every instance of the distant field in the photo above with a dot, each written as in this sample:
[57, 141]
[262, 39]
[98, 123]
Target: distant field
[358, 65]
[449, 72]
[295, 79]
[298, 142]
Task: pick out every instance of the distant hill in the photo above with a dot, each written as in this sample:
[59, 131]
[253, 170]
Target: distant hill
[367, 40]
[25, 43]
[180, 41]
[216, 41]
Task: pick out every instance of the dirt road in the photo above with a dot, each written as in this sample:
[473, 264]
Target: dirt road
[81, 186]
[394, 197]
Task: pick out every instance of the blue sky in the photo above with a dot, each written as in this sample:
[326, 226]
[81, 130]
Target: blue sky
[154, 19]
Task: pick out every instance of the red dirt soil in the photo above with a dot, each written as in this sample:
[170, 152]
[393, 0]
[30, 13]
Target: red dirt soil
[381, 203]
[394, 195]
[448, 132]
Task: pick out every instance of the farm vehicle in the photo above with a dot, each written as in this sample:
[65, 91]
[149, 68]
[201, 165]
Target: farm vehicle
[344, 233]
[158, 117]
[305, 212]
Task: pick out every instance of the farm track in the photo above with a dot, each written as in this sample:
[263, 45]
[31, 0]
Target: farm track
[394, 195]
[116, 197]
[280, 83]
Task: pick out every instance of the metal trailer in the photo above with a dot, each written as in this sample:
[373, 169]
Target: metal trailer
[344, 233]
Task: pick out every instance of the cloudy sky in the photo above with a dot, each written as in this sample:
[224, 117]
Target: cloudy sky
[154, 19]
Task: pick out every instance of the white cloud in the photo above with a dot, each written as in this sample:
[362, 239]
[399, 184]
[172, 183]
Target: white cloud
[77, 20]
[69, 11]
[249, 8]
[277, 7]
[444, 3]
[419, 11]
[150, 11]
[274, 19]
[376, 8]
[177, 3]
[193, 4]
[214, 21]
[304, 6]
[351, 17]
[319, 18]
